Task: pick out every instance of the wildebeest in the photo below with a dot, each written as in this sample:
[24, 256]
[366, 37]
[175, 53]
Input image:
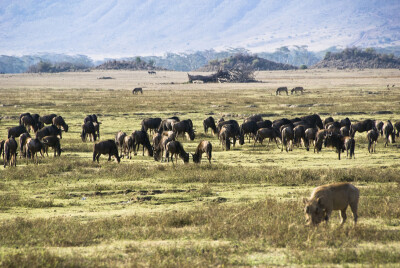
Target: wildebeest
[16, 131]
[48, 131]
[97, 129]
[281, 89]
[167, 124]
[287, 139]
[270, 133]
[22, 141]
[140, 137]
[29, 123]
[314, 120]
[310, 135]
[221, 120]
[136, 90]
[328, 120]
[299, 135]
[159, 143]
[379, 126]
[151, 72]
[326, 198]
[397, 128]
[224, 137]
[319, 139]
[372, 137]
[2, 148]
[209, 122]
[203, 147]
[344, 131]
[280, 122]
[119, 140]
[22, 115]
[362, 126]
[33, 146]
[127, 146]
[249, 127]
[47, 119]
[389, 133]
[91, 118]
[234, 132]
[297, 89]
[340, 143]
[345, 123]
[53, 142]
[59, 122]
[349, 145]
[88, 129]
[105, 147]
[176, 148]
[10, 152]
[183, 127]
[151, 124]
[264, 124]
[255, 118]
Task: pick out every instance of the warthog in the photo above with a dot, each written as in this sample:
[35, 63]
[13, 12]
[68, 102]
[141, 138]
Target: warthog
[119, 140]
[34, 146]
[48, 131]
[53, 142]
[10, 152]
[105, 147]
[209, 122]
[136, 90]
[270, 133]
[176, 148]
[297, 89]
[203, 147]
[279, 90]
[372, 137]
[59, 122]
[389, 133]
[326, 198]
[16, 131]
[151, 124]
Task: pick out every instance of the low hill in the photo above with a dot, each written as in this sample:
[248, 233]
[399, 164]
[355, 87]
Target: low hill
[353, 58]
[245, 60]
[137, 64]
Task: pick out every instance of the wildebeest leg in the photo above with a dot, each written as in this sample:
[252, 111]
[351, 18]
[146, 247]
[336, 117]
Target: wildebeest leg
[354, 207]
[94, 156]
[343, 215]
[97, 157]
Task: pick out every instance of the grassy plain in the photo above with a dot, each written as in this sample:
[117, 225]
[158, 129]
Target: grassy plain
[244, 209]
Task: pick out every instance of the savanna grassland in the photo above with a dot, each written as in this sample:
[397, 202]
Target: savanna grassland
[246, 208]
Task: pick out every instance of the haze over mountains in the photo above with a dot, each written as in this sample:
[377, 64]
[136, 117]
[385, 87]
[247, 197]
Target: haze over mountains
[126, 28]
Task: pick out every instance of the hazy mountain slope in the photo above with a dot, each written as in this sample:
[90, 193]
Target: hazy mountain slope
[121, 28]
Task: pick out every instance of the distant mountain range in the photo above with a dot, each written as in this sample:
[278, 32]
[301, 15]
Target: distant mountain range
[121, 28]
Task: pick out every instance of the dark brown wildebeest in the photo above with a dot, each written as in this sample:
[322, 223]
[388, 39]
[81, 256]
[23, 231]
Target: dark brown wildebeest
[280, 90]
[2, 148]
[340, 143]
[136, 90]
[16, 131]
[151, 72]
[151, 124]
[88, 129]
[119, 140]
[299, 135]
[91, 118]
[209, 122]
[334, 124]
[183, 127]
[256, 118]
[221, 120]
[22, 142]
[319, 139]
[166, 124]
[297, 89]
[59, 122]
[249, 128]
[362, 126]
[97, 128]
[22, 115]
[397, 128]
[287, 134]
[264, 124]
[47, 119]
[280, 122]
[224, 137]
[314, 120]
[270, 133]
[48, 131]
[159, 143]
[235, 131]
[345, 123]
[310, 136]
[127, 146]
[33, 146]
[328, 120]
[29, 123]
[349, 145]
[10, 152]
[296, 119]
[53, 142]
[203, 147]
[372, 137]
[389, 133]
[379, 126]
[344, 131]
[140, 137]
[176, 148]
[105, 147]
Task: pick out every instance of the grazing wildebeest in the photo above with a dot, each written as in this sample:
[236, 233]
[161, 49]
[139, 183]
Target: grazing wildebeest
[22, 141]
[105, 147]
[136, 90]
[91, 118]
[159, 144]
[140, 137]
[221, 120]
[29, 123]
[203, 147]
[319, 139]
[128, 146]
[88, 129]
[345, 123]
[47, 119]
[270, 133]
[59, 122]
[119, 140]
[33, 146]
[53, 142]
[328, 120]
[209, 122]
[310, 136]
[372, 137]
[167, 124]
[234, 132]
[362, 126]
[176, 148]
[326, 198]
[264, 124]
[281, 89]
[151, 123]
[249, 128]
[224, 138]
[297, 89]
[16, 131]
[389, 133]
[313, 120]
[344, 131]
[280, 122]
[151, 72]
[299, 135]
[48, 131]
[340, 143]
[379, 126]
[183, 127]
[255, 118]
[287, 138]
[10, 152]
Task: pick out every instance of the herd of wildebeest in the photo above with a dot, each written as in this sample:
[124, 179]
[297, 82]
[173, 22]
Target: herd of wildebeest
[304, 131]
